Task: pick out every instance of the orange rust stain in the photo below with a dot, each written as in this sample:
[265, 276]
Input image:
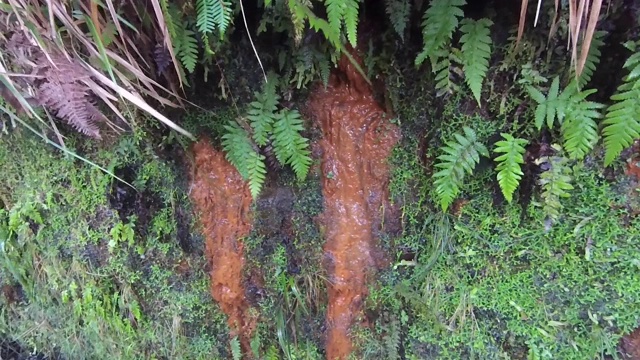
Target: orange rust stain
[223, 201]
[357, 139]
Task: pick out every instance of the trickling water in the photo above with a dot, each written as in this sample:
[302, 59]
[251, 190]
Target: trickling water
[357, 139]
[223, 201]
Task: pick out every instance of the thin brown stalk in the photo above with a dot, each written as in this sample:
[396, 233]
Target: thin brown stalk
[586, 42]
[523, 16]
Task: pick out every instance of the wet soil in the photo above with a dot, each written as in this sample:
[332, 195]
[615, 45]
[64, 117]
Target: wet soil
[356, 140]
[222, 199]
[630, 345]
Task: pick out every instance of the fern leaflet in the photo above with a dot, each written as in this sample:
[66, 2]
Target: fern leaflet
[236, 352]
[290, 147]
[509, 171]
[241, 153]
[459, 156]
[438, 24]
[579, 129]
[554, 105]
[351, 21]
[555, 183]
[476, 51]
[186, 46]
[262, 114]
[212, 14]
[335, 13]
[622, 121]
[593, 58]
[444, 69]
[398, 11]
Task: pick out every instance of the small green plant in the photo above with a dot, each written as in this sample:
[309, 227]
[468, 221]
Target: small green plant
[555, 183]
[267, 125]
[439, 22]
[121, 233]
[476, 51]
[509, 171]
[622, 121]
[460, 156]
[572, 111]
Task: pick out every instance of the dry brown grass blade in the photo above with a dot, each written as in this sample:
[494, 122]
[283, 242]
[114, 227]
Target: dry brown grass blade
[137, 101]
[167, 38]
[523, 17]
[588, 36]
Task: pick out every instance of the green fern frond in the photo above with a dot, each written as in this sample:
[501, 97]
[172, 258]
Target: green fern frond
[443, 71]
[476, 51]
[290, 147]
[509, 171]
[241, 153]
[555, 183]
[579, 128]
[222, 15]
[622, 121]
[188, 49]
[236, 352]
[554, 105]
[212, 14]
[256, 171]
[262, 114]
[351, 20]
[460, 157]
[438, 24]
[335, 13]
[593, 59]
[398, 11]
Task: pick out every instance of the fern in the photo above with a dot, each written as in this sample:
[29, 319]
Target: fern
[290, 147]
[622, 121]
[398, 11]
[593, 59]
[438, 24]
[339, 11]
[444, 68]
[509, 171]
[555, 183]
[236, 352]
[392, 338]
[335, 13]
[241, 153]
[212, 14]
[459, 156]
[351, 20]
[579, 129]
[262, 114]
[476, 51]
[186, 47]
[553, 106]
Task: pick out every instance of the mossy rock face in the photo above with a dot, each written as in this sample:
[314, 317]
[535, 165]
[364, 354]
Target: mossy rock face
[102, 263]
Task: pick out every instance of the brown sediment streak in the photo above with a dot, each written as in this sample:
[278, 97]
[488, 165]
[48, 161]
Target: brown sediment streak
[223, 201]
[357, 139]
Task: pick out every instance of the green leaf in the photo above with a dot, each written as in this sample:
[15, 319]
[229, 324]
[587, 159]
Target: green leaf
[476, 52]
[398, 11]
[438, 24]
[460, 157]
[290, 147]
[509, 169]
[622, 120]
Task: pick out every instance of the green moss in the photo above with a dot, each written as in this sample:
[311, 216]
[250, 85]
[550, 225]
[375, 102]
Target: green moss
[95, 286]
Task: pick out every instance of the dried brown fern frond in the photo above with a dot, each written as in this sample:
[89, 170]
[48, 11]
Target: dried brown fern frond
[64, 92]
[81, 52]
